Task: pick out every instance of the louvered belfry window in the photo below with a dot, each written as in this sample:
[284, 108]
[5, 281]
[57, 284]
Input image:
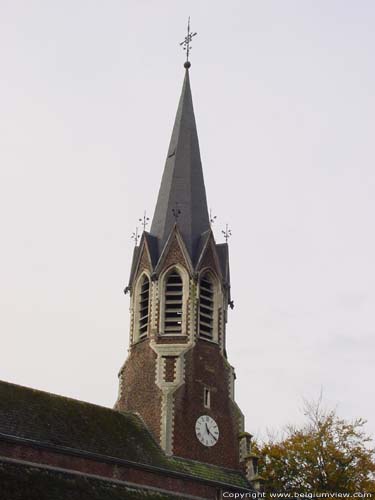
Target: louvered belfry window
[206, 307]
[173, 304]
[144, 305]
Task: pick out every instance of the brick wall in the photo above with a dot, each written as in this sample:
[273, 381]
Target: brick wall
[107, 470]
[206, 367]
[139, 391]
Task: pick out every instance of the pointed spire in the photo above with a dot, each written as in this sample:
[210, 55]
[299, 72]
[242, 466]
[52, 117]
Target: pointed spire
[182, 186]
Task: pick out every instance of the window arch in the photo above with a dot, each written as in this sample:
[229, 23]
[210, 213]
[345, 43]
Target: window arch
[173, 303]
[206, 306]
[143, 306]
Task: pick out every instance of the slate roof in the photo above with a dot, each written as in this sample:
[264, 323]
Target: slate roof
[182, 185]
[223, 254]
[56, 421]
[182, 188]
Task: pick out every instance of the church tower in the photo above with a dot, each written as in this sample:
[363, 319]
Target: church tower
[177, 376]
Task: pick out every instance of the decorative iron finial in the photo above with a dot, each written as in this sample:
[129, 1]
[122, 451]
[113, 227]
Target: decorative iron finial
[144, 220]
[212, 218]
[176, 212]
[186, 44]
[135, 236]
[227, 233]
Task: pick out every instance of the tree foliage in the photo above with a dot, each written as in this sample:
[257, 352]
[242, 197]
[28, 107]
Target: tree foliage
[327, 454]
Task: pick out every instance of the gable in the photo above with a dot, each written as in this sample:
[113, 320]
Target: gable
[142, 261]
[174, 253]
[209, 258]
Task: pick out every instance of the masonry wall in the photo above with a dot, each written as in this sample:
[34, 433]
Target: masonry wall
[138, 392]
[108, 470]
[206, 367]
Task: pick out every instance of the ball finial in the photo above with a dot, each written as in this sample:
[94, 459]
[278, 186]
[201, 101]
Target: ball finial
[187, 65]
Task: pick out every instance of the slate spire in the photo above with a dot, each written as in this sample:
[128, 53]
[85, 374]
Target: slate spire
[182, 187]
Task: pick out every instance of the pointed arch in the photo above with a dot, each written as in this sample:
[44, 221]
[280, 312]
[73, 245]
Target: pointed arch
[174, 292]
[209, 304]
[173, 303]
[206, 306]
[142, 304]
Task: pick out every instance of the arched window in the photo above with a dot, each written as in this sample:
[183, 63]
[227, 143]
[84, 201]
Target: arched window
[144, 306]
[206, 306]
[173, 304]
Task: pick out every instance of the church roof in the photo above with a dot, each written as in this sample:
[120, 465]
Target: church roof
[71, 426]
[182, 187]
[50, 483]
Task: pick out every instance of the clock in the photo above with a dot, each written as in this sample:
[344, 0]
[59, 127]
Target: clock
[207, 430]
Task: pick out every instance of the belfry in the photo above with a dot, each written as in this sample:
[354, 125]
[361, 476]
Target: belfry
[177, 376]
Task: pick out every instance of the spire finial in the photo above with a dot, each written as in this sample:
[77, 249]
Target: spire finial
[227, 233]
[186, 44]
[135, 236]
[212, 217]
[144, 220]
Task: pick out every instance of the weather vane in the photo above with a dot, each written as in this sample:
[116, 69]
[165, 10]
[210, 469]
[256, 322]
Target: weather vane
[227, 233]
[212, 218]
[135, 236]
[176, 212]
[186, 44]
[144, 221]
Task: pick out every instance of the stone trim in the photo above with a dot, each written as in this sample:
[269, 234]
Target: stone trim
[144, 259]
[185, 295]
[155, 307]
[221, 328]
[217, 299]
[231, 379]
[176, 237]
[168, 388]
[135, 307]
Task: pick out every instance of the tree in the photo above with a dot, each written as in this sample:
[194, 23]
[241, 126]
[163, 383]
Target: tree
[328, 454]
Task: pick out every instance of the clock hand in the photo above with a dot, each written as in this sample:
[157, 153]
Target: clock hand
[209, 432]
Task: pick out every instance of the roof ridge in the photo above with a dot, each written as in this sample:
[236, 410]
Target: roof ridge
[53, 394]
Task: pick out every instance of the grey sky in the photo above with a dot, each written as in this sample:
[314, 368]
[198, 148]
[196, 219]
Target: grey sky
[285, 108]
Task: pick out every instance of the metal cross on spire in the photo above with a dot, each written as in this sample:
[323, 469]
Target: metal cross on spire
[186, 44]
[135, 236]
[144, 220]
[227, 233]
[212, 218]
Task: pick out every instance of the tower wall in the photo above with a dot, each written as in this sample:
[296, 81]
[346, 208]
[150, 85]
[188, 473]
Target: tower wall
[206, 368]
[165, 376]
[138, 391]
[177, 376]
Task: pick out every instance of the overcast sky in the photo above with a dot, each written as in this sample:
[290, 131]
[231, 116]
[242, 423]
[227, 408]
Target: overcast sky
[284, 101]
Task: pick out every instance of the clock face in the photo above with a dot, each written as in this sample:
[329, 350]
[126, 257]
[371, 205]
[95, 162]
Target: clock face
[207, 430]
